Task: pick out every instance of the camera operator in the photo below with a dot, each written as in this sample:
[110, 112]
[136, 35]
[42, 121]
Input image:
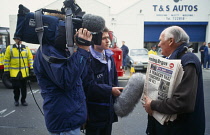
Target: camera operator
[61, 86]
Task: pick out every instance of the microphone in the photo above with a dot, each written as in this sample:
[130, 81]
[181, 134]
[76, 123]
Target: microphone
[93, 23]
[130, 95]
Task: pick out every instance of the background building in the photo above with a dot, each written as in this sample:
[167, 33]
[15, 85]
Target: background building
[140, 22]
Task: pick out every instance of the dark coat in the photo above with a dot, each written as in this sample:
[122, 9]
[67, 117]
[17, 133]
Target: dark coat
[202, 48]
[125, 51]
[206, 54]
[61, 88]
[195, 121]
[99, 83]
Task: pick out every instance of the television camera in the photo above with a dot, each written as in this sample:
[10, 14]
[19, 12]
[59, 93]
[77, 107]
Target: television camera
[38, 28]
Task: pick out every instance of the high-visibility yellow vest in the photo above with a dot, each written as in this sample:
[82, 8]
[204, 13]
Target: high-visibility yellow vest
[152, 52]
[15, 61]
[1, 58]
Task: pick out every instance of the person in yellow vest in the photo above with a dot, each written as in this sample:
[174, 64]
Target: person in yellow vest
[18, 60]
[153, 50]
[1, 57]
[1, 61]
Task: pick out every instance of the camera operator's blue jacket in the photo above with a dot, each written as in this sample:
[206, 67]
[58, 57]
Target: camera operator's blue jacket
[98, 89]
[61, 88]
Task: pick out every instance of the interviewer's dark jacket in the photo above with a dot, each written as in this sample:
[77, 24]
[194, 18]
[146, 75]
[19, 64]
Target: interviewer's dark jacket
[61, 88]
[98, 88]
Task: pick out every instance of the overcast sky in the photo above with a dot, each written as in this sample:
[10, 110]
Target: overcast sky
[10, 7]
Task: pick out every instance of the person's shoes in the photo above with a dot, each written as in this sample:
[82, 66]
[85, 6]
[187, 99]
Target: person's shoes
[24, 104]
[16, 103]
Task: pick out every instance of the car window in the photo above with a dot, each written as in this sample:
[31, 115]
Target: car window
[136, 52]
[33, 51]
[2, 48]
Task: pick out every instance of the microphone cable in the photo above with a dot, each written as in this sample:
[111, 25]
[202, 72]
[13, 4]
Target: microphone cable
[28, 82]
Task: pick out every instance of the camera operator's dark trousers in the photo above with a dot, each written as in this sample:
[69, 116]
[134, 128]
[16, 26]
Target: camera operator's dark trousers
[19, 86]
[99, 131]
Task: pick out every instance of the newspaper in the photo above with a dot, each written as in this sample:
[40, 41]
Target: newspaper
[162, 77]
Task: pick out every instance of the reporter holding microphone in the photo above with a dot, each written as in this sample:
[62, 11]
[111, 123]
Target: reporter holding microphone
[101, 89]
[61, 87]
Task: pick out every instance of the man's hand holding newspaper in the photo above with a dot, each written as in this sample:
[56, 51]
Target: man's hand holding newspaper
[147, 102]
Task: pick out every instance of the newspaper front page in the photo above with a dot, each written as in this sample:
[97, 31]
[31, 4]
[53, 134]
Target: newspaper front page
[162, 77]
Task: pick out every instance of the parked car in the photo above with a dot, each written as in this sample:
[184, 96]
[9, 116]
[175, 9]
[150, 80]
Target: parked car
[138, 58]
[33, 51]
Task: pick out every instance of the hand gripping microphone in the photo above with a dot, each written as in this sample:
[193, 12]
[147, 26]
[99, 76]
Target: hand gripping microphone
[130, 95]
[95, 24]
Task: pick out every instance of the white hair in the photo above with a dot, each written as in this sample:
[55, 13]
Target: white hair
[176, 32]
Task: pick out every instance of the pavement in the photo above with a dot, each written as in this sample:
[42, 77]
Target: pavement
[127, 74]
[206, 74]
[29, 120]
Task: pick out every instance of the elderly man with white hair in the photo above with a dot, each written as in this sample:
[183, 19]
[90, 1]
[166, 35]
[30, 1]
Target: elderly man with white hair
[187, 100]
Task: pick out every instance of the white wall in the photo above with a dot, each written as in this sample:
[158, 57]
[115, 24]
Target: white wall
[130, 27]
[89, 6]
[208, 31]
[132, 33]
[12, 26]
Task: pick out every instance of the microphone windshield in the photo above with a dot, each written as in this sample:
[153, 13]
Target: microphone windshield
[130, 95]
[93, 23]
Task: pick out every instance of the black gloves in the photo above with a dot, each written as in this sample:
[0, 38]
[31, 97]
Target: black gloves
[7, 73]
[31, 72]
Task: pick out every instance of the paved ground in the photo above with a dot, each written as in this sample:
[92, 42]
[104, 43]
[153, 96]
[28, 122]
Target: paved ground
[29, 121]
